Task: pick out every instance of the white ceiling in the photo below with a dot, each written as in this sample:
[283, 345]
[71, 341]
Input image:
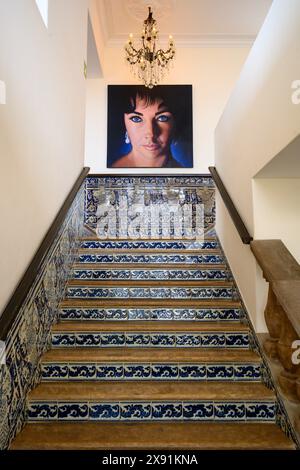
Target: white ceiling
[192, 22]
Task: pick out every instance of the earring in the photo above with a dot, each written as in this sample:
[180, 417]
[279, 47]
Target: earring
[127, 141]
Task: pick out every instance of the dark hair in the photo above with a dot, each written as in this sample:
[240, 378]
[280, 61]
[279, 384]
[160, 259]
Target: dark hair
[124, 101]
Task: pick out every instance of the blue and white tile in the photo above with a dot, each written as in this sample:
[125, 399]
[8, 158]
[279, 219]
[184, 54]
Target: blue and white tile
[219, 372]
[141, 314]
[137, 371]
[247, 372]
[151, 244]
[82, 372]
[151, 274]
[188, 340]
[109, 372]
[213, 340]
[42, 411]
[115, 314]
[184, 314]
[164, 371]
[55, 371]
[192, 372]
[153, 292]
[135, 411]
[113, 339]
[104, 411]
[142, 339]
[163, 340]
[198, 411]
[237, 340]
[63, 340]
[72, 411]
[230, 411]
[261, 411]
[180, 314]
[88, 340]
[138, 339]
[150, 259]
[166, 411]
[74, 313]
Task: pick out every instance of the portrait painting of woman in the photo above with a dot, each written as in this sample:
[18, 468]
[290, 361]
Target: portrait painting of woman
[150, 128]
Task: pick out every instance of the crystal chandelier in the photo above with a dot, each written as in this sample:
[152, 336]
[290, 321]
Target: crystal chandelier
[148, 63]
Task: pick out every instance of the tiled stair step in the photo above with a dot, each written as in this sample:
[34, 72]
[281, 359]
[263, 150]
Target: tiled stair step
[138, 400]
[142, 312]
[88, 256]
[150, 364]
[151, 334]
[148, 245]
[151, 435]
[97, 273]
[155, 289]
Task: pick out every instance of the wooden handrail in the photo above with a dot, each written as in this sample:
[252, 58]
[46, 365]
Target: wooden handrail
[14, 304]
[235, 216]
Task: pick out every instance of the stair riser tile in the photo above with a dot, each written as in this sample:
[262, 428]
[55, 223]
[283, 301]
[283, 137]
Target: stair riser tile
[154, 410]
[150, 259]
[148, 371]
[150, 293]
[117, 314]
[207, 340]
[149, 245]
[140, 274]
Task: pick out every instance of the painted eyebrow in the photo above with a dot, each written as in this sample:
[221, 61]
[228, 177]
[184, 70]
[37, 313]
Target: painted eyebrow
[136, 112]
[165, 110]
[158, 112]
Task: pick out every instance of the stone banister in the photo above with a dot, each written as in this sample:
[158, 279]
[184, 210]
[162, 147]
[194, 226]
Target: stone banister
[282, 313]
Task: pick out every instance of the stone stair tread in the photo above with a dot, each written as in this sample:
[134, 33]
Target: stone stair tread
[150, 355]
[142, 303]
[205, 436]
[150, 390]
[148, 325]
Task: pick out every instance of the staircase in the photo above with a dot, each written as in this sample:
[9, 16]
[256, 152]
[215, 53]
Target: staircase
[152, 351]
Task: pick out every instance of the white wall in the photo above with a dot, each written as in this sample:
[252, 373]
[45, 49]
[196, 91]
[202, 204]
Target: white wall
[276, 204]
[212, 71]
[41, 124]
[259, 120]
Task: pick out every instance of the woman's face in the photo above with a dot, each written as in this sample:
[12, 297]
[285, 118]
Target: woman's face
[150, 128]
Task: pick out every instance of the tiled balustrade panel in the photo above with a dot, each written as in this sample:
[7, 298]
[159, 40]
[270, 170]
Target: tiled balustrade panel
[165, 207]
[30, 334]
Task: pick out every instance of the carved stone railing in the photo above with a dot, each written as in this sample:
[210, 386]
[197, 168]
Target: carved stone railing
[282, 312]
